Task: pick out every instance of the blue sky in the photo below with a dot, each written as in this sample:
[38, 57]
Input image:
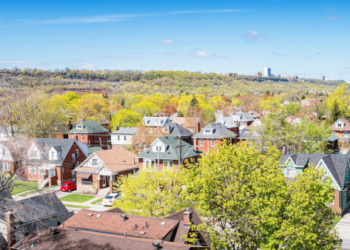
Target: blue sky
[293, 37]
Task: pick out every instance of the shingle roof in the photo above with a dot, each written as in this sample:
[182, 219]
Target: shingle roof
[253, 114]
[88, 127]
[345, 128]
[333, 137]
[186, 121]
[173, 116]
[220, 132]
[45, 144]
[227, 121]
[125, 131]
[94, 149]
[241, 116]
[83, 240]
[178, 130]
[117, 159]
[171, 153]
[155, 121]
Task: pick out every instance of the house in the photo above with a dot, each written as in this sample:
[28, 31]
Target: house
[160, 114]
[156, 123]
[94, 149]
[51, 161]
[178, 131]
[335, 166]
[332, 143]
[341, 128]
[20, 218]
[253, 114]
[171, 118]
[91, 133]
[242, 119]
[7, 160]
[326, 116]
[167, 152]
[59, 130]
[255, 123]
[123, 136]
[293, 119]
[212, 135]
[102, 168]
[90, 230]
[189, 123]
[309, 103]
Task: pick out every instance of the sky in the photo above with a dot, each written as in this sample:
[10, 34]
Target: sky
[293, 37]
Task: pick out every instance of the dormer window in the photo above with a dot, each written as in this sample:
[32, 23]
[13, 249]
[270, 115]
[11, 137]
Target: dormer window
[79, 127]
[161, 122]
[52, 155]
[148, 121]
[156, 122]
[339, 125]
[208, 131]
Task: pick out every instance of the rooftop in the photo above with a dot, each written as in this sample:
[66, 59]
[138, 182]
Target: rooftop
[87, 127]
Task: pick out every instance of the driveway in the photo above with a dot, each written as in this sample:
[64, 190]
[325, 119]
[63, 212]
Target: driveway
[343, 228]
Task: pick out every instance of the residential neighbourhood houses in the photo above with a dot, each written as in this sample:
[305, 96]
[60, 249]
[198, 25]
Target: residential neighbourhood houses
[95, 158]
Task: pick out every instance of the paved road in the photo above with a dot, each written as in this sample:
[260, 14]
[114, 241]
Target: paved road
[343, 228]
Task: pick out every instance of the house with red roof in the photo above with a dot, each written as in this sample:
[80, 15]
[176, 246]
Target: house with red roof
[341, 128]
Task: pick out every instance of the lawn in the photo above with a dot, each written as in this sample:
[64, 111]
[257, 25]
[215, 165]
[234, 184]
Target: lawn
[97, 201]
[76, 206]
[336, 219]
[77, 198]
[36, 190]
[24, 186]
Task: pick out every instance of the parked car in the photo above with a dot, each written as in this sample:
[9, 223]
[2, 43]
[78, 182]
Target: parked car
[68, 186]
[109, 199]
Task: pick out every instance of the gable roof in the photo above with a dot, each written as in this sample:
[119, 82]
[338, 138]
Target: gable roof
[178, 130]
[125, 131]
[227, 121]
[89, 127]
[253, 114]
[345, 128]
[173, 116]
[117, 159]
[220, 132]
[63, 145]
[333, 137]
[171, 152]
[241, 116]
[151, 121]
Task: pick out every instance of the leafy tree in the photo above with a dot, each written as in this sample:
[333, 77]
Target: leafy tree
[125, 118]
[122, 103]
[92, 109]
[340, 96]
[151, 193]
[336, 113]
[145, 108]
[303, 97]
[194, 101]
[255, 207]
[291, 108]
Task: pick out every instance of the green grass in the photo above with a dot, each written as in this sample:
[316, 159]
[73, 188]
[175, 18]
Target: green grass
[336, 219]
[97, 201]
[24, 186]
[36, 190]
[76, 206]
[77, 198]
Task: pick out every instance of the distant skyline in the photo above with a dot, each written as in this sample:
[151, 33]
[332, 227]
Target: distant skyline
[295, 38]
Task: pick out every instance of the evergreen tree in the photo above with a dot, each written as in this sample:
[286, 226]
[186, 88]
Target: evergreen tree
[267, 92]
[194, 101]
[122, 103]
[336, 113]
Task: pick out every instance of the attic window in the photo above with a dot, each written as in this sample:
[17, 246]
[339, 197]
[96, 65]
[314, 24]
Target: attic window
[339, 125]
[207, 131]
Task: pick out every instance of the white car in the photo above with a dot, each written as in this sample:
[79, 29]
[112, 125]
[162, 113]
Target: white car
[109, 199]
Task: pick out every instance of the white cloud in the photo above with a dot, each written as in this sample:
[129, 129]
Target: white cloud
[173, 52]
[87, 66]
[199, 54]
[169, 41]
[123, 17]
[252, 34]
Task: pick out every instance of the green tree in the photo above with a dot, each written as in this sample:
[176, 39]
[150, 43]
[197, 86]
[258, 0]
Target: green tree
[336, 113]
[122, 103]
[253, 204]
[194, 101]
[291, 108]
[151, 193]
[126, 118]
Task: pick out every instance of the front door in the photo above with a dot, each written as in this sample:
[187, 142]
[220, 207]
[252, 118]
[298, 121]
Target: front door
[104, 181]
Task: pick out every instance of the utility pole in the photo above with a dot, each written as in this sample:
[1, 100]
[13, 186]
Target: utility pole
[179, 150]
[158, 159]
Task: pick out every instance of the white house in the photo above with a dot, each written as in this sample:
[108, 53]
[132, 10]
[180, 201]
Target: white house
[156, 123]
[122, 136]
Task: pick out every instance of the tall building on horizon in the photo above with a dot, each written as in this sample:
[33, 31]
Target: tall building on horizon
[323, 78]
[267, 72]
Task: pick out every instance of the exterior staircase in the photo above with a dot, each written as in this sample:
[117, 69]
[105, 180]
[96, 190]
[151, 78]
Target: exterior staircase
[44, 183]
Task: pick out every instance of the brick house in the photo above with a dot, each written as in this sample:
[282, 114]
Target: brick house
[51, 161]
[309, 103]
[189, 123]
[335, 166]
[242, 119]
[177, 130]
[115, 230]
[91, 133]
[102, 168]
[229, 124]
[165, 152]
[122, 136]
[341, 128]
[6, 158]
[213, 135]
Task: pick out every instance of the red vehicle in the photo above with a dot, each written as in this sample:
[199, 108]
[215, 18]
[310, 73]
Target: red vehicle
[68, 186]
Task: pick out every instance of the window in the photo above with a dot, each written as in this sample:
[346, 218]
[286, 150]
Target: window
[207, 131]
[79, 127]
[339, 125]
[52, 155]
[156, 122]
[94, 162]
[118, 137]
[168, 164]
[290, 172]
[5, 166]
[2, 152]
[346, 134]
[52, 172]
[77, 152]
[82, 137]
[73, 157]
[202, 142]
[124, 137]
[32, 170]
[150, 164]
[213, 143]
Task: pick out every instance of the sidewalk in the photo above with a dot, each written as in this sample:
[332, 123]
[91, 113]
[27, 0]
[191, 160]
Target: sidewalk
[343, 228]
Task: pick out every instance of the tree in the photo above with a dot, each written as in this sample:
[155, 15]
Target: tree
[336, 113]
[291, 108]
[125, 118]
[253, 204]
[342, 97]
[122, 103]
[145, 108]
[151, 193]
[89, 109]
[144, 138]
[194, 101]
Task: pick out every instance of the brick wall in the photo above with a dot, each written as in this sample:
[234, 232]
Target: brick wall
[336, 206]
[207, 144]
[93, 140]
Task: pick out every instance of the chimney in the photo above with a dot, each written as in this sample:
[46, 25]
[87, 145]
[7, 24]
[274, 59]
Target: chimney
[187, 218]
[116, 128]
[198, 128]
[11, 231]
[284, 150]
[156, 245]
[169, 129]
